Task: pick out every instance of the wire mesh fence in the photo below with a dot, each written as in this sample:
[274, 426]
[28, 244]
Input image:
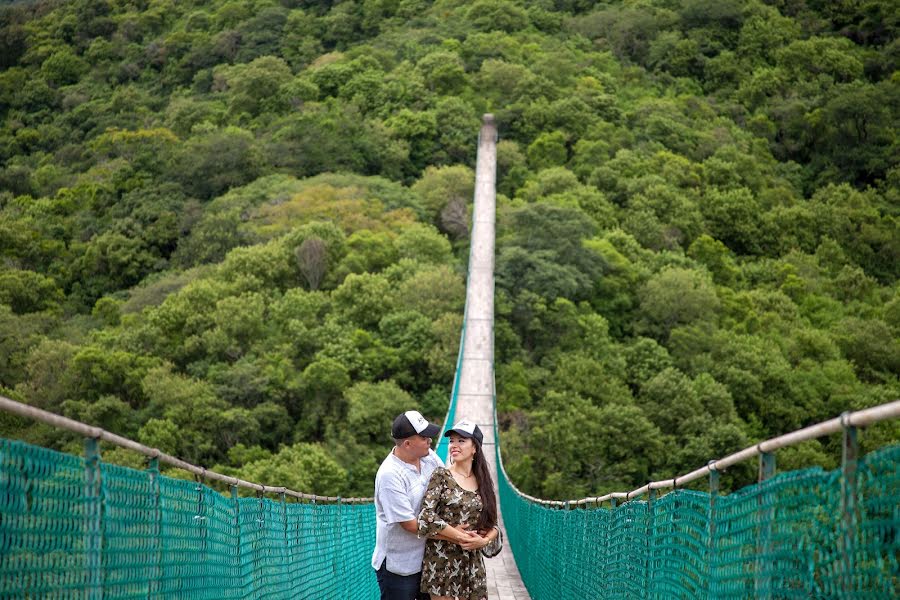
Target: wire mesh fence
[801, 534]
[75, 527]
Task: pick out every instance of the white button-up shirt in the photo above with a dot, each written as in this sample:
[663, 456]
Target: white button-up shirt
[399, 489]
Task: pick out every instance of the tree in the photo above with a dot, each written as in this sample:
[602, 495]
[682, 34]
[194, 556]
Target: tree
[107, 412]
[255, 87]
[455, 219]
[419, 129]
[837, 58]
[590, 378]
[94, 372]
[856, 129]
[214, 161]
[409, 334]
[110, 261]
[548, 150]
[733, 216]
[239, 323]
[27, 291]
[335, 245]
[573, 449]
[538, 272]
[433, 291]
[185, 412]
[443, 72]
[497, 15]
[364, 299]
[675, 297]
[333, 136]
[441, 186]
[63, 67]
[45, 383]
[302, 467]
[645, 358]
[456, 122]
[371, 407]
[312, 259]
[321, 387]
[869, 344]
[423, 244]
[669, 400]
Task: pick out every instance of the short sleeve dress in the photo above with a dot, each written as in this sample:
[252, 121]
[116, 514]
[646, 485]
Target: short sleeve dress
[447, 569]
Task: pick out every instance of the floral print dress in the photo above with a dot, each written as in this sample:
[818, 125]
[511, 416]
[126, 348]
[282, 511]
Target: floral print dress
[447, 569]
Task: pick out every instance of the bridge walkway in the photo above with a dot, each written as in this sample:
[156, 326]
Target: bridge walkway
[475, 396]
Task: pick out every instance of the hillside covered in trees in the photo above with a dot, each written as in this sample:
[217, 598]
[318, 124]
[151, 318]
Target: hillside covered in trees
[237, 230]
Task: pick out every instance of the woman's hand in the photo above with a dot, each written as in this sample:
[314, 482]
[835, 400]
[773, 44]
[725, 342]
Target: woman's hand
[475, 542]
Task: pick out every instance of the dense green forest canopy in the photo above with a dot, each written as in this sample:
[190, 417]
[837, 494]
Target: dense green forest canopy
[237, 230]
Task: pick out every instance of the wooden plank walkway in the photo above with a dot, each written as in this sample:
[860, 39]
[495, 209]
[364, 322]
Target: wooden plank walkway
[475, 399]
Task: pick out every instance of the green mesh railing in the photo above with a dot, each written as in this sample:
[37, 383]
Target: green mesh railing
[800, 534]
[75, 527]
[443, 444]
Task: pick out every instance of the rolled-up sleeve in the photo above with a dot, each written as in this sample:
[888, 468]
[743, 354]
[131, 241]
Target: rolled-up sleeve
[430, 522]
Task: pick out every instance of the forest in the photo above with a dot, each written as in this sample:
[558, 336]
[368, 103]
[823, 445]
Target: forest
[237, 230]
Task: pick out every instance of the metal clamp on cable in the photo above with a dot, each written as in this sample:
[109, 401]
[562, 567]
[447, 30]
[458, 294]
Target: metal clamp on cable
[845, 419]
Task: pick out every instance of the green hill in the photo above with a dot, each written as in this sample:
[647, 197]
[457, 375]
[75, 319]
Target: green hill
[237, 230]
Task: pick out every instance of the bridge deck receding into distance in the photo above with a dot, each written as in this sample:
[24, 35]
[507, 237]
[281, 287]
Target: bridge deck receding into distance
[475, 399]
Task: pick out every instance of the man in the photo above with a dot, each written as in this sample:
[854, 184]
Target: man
[399, 488]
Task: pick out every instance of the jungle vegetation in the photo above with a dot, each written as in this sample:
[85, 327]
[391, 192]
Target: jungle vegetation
[236, 230]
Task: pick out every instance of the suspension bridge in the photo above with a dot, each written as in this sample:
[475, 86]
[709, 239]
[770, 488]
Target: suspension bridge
[77, 527]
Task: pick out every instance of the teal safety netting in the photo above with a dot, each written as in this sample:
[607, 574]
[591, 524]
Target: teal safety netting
[801, 534]
[72, 527]
[443, 444]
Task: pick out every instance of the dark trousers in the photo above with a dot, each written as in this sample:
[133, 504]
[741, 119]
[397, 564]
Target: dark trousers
[399, 587]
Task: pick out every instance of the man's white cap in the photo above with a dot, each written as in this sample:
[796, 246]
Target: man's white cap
[413, 423]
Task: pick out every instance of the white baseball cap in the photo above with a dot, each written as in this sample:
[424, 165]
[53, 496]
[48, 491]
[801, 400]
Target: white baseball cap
[466, 429]
[413, 423]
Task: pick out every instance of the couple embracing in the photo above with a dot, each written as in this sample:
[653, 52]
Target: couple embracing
[434, 523]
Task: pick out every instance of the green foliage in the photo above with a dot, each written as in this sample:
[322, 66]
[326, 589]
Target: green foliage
[675, 297]
[371, 407]
[217, 160]
[230, 229]
[27, 291]
[301, 467]
[572, 444]
[548, 150]
[440, 186]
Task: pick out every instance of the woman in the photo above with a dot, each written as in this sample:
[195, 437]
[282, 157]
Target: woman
[461, 494]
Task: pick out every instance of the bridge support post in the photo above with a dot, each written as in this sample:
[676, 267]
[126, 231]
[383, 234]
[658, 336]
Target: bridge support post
[648, 570]
[93, 531]
[612, 550]
[849, 506]
[153, 583]
[285, 546]
[235, 499]
[202, 523]
[763, 583]
[711, 535]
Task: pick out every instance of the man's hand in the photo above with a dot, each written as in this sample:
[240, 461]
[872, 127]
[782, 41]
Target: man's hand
[451, 533]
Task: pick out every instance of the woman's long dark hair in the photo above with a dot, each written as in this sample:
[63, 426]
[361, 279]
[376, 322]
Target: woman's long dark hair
[488, 516]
